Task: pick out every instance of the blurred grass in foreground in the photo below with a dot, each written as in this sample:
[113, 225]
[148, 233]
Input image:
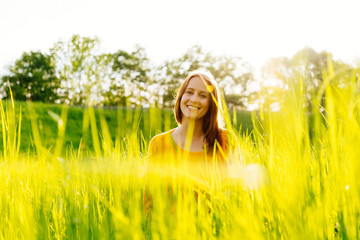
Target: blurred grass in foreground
[312, 191]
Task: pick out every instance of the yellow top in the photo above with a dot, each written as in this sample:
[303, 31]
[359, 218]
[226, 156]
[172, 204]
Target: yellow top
[167, 159]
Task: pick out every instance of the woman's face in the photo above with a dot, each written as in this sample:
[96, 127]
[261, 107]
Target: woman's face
[195, 101]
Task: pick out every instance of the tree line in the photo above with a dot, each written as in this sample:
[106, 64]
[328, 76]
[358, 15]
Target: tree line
[75, 72]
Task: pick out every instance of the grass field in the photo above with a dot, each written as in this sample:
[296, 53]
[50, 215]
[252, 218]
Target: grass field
[120, 121]
[295, 182]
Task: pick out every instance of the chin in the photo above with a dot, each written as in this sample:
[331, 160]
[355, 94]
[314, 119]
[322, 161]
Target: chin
[195, 117]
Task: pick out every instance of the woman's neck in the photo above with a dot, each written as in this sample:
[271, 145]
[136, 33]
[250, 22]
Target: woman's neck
[192, 127]
[190, 135]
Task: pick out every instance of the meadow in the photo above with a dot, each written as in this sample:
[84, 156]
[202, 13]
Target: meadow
[297, 178]
[121, 121]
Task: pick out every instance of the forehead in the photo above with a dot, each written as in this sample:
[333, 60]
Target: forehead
[197, 83]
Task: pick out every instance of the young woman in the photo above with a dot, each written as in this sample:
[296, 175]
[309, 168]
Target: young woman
[199, 142]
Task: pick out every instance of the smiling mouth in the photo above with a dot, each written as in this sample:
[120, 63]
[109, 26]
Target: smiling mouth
[193, 108]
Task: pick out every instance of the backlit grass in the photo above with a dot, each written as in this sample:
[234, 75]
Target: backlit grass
[309, 190]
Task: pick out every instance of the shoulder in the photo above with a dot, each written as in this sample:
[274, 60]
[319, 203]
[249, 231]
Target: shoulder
[161, 137]
[160, 140]
[159, 145]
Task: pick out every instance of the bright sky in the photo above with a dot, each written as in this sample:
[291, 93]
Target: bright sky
[255, 30]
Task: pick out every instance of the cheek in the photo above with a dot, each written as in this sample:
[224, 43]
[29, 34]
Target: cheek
[207, 103]
[182, 102]
[182, 99]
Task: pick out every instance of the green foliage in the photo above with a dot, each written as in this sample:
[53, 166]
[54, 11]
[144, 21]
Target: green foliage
[33, 77]
[129, 78]
[308, 68]
[78, 67]
[93, 78]
[232, 74]
[77, 73]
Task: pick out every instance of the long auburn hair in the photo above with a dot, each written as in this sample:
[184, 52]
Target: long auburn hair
[212, 119]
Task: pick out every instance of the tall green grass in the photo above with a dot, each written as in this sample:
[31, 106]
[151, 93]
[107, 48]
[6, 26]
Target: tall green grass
[309, 189]
[120, 121]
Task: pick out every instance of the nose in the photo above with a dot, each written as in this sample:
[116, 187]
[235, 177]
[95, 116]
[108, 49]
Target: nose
[194, 97]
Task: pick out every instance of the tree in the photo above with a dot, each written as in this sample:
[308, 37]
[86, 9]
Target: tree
[33, 77]
[231, 73]
[79, 67]
[128, 79]
[305, 69]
